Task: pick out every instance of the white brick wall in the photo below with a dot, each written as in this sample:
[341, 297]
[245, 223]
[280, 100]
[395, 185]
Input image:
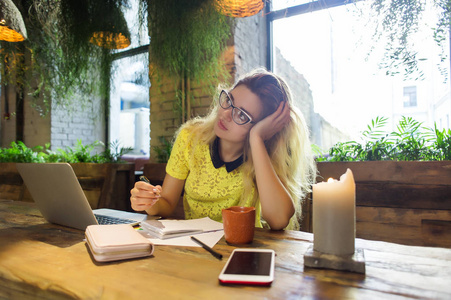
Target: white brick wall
[85, 124]
[250, 44]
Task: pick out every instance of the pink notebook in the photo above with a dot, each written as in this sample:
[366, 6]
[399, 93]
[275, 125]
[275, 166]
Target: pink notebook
[116, 242]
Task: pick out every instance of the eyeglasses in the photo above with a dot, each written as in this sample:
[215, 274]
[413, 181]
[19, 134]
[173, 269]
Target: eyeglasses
[239, 116]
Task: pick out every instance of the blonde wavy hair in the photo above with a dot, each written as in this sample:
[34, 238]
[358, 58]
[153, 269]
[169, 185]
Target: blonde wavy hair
[289, 149]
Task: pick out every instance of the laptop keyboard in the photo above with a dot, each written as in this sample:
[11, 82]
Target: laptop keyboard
[107, 220]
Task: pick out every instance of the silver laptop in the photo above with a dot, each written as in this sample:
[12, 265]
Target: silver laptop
[58, 195]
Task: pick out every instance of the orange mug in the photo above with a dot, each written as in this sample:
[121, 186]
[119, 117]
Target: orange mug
[239, 224]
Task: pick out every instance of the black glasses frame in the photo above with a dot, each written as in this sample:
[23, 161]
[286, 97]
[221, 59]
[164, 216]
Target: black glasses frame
[234, 109]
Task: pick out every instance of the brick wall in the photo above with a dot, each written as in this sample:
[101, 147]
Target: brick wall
[78, 123]
[60, 127]
[249, 38]
[300, 89]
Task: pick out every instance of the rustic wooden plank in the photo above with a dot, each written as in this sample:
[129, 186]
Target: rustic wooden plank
[10, 182]
[91, 183]
[411, 172]
[107, 188]
[409, 217]
[115, 192]
[393, 233]
[12, 192]
[436, 233]
[155, 172]
[11, 179]
[385, 194]
[92, 178]
[402, 226]
[306, 217]
[89, 169]
[125, 180]
[93, 197]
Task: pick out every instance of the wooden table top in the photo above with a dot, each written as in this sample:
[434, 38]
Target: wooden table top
[39, 260]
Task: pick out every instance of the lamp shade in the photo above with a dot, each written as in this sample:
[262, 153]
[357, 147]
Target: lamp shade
[12, 27]
[110, 39]
[110, 28]
[240, 8]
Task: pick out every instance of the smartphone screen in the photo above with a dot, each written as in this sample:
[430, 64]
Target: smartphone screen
[249, 266]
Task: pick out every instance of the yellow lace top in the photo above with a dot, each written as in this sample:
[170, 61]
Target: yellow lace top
[207, 190]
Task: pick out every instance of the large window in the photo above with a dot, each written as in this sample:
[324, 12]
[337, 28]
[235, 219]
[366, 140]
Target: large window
[129, 123]
[328, 44]
[129, 103]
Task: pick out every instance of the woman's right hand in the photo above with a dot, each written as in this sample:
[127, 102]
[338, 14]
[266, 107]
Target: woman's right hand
[144, 195]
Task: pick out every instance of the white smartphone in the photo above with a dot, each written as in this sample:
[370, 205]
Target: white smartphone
[249, 266]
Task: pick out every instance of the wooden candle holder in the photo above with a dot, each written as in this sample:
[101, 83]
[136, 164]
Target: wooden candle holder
[351, 263]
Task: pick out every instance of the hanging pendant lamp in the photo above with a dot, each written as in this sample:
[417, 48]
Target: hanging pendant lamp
[12, 27]
[110, 28]
[240, 8]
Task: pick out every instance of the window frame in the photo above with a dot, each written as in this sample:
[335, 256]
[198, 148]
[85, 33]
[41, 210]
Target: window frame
[410, 91]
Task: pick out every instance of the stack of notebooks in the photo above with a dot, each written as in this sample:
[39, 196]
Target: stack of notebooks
[118, 242]
[165, 229]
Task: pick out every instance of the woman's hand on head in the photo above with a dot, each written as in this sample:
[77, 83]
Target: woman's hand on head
[273, 123]
[144, 195]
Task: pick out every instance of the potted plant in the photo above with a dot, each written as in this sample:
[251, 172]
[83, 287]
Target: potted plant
[403, 186]
[104, 177]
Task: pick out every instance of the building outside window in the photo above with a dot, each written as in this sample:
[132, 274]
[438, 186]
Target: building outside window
[328, 44]
[410, 96]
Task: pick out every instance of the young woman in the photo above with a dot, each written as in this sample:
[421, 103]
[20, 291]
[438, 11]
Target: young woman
[252, 149]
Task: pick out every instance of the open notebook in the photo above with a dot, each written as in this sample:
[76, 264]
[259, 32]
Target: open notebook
[166, 229]
[58, 195]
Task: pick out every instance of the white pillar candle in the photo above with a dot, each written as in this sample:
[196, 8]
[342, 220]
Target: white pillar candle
[334, 215]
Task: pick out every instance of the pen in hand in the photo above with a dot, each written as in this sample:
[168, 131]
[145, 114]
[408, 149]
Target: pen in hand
[145, 179]
[213, 252]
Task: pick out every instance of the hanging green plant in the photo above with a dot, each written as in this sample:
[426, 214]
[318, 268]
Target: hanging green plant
[397, 22]
[187, 37]
[64, 68]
